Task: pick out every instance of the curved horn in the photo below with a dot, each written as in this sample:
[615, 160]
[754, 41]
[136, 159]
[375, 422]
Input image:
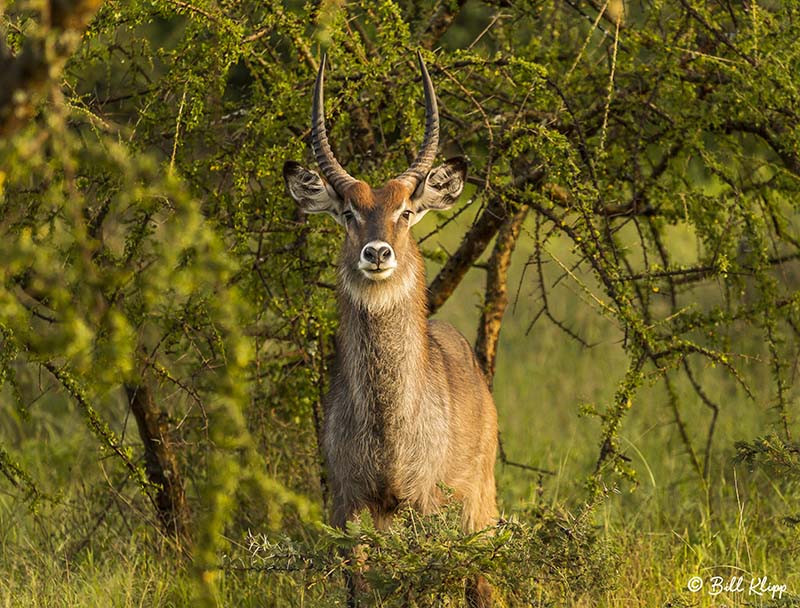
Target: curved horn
[332, 171]
[424, 161]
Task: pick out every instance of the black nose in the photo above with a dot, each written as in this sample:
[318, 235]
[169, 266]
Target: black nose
[376, 256]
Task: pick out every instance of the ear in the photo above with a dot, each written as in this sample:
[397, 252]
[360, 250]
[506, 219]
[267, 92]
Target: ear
[441, 187]
[311, 192]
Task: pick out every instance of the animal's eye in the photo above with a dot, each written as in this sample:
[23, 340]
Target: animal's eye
[407, 214]
[347, 215]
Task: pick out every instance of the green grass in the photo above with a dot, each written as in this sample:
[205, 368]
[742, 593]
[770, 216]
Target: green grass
[668, 529]
[671, 527]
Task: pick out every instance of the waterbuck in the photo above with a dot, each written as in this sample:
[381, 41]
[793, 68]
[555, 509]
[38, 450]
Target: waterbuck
[408, 407]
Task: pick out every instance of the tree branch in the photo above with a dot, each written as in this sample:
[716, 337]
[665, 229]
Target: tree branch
[474, 244]
[496, 299]
[25, 75]
[440, 23]
[788, 156]
[161, 462]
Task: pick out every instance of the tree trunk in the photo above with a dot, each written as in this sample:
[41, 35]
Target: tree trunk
[496, 300]
[161, 463]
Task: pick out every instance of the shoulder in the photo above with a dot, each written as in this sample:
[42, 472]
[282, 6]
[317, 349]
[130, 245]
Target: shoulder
[448, 338]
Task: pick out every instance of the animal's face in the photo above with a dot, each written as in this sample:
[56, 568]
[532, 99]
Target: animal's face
[378, 248]
[376, 223]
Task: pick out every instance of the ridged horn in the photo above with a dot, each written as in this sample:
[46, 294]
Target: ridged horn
[332, 171]
[422, 164]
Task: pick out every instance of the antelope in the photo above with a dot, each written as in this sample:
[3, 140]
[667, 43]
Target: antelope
[408, 407]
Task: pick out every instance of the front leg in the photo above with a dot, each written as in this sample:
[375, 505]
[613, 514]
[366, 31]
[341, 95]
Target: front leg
[357, 585]
[344, 511]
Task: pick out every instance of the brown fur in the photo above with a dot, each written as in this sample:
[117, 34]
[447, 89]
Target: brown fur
[408, 407]
[361, 195]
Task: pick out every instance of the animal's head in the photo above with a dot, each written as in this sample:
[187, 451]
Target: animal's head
[378, 247]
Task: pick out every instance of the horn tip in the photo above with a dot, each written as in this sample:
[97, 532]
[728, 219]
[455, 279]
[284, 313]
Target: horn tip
[291, 167]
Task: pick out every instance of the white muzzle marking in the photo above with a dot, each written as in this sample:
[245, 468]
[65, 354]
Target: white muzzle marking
[377, 261]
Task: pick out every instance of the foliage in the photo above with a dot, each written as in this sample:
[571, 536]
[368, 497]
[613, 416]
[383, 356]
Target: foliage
[778, 457]
[540, 558]
[148, 244]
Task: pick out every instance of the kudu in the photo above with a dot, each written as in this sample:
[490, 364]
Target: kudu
[408, 406]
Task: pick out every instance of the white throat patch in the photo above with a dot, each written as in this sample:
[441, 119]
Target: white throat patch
[379, 295]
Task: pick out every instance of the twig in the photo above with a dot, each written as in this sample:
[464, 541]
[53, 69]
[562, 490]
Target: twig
[178, 128]
[504, 459]
[714, 414]
[610, 89]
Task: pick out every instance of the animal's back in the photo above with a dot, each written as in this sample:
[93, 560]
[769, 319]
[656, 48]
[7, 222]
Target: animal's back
[472, 421]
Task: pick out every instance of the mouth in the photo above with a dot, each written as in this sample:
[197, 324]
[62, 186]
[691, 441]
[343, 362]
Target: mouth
[378, 274]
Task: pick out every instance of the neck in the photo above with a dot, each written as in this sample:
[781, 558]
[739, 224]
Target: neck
[383, 340]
